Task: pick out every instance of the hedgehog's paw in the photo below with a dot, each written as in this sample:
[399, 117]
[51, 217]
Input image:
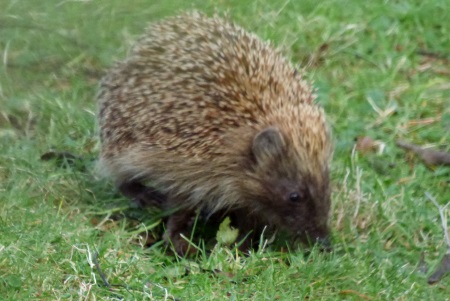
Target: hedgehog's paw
[180, 245]
[178, 232]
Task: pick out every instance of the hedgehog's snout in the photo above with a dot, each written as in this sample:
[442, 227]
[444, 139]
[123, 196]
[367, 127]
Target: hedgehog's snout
[318, 238]
[324, 244]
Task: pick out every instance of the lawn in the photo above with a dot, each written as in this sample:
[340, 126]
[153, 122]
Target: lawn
[382, 69]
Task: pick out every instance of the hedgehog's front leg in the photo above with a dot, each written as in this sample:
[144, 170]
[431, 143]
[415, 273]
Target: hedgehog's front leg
[249, 229]
[141, 195]
[178, 228]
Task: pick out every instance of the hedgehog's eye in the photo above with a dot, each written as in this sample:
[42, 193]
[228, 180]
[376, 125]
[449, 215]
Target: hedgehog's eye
[294, 197]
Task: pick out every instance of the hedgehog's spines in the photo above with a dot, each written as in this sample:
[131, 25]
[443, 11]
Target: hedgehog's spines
[183, 110]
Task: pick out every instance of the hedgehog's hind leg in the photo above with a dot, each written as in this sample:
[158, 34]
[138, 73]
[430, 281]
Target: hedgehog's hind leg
[141, 195]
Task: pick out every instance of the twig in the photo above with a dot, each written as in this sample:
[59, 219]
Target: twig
[430, 156]
[432, 54]
[100, 272]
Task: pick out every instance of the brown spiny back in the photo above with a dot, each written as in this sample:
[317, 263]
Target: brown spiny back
[193, 76]
[183, 109]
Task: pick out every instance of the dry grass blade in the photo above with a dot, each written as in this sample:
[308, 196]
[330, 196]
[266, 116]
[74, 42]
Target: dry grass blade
[443, 267]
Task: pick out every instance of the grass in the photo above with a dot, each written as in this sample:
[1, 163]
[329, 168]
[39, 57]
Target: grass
[382, 69]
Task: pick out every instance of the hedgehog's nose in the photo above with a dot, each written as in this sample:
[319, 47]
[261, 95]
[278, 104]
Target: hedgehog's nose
[324, 244]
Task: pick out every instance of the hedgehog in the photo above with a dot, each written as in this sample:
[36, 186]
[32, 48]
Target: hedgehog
[205, 116]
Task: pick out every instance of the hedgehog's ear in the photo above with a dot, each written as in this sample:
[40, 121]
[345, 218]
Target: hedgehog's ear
[268, 143]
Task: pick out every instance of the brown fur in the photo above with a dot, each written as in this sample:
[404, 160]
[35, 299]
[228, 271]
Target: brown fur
[215, 118]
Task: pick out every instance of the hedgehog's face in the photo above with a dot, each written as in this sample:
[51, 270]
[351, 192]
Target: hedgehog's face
[294, 197]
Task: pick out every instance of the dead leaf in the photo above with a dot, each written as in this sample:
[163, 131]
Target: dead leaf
[432, 55]
[366, 144]
[424, 121]
[352, 292]
[442, 270]
[429, 156]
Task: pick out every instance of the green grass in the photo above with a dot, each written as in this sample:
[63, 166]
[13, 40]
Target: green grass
[361, 55]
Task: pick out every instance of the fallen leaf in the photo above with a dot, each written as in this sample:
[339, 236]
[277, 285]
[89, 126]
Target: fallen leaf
[424, 121]
[366, 144]
[442, 270]
[226, 234]
[352, 292]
